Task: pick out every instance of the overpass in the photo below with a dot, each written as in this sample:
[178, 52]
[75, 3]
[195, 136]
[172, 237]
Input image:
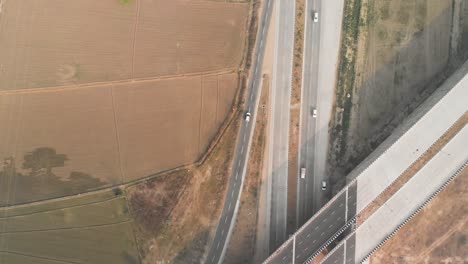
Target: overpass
[373, 176]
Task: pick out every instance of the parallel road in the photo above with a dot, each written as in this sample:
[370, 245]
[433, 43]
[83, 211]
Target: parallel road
[321, 47]
[279, 125]
[228, 216]
[306, 187]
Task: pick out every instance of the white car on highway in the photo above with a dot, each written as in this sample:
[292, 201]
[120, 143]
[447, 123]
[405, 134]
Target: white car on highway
[303, 171]
[324, 185]
[247, 117]
[315, 15]
[314, 112]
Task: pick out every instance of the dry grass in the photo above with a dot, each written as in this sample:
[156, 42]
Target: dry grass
[179, 117]
[97, 224]
[242, 244]
[49, 43]
[189, 204]
[394, 54]
[438, 234]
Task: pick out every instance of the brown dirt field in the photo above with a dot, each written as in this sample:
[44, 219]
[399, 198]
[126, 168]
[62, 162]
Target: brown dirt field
[395, 54]
[242, 244]
[188, 204]
[180, 36]
[49, 43]
[111, 147]
[413, 169]
[295, 115]
[437, 234]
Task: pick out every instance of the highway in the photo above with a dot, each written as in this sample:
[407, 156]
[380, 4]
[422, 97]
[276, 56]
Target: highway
[279, 125]
[321, 50]
[405, 203]
[231, 205]
[399, 151]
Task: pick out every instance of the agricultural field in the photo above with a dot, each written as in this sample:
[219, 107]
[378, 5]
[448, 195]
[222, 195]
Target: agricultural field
[53, 148]
[57, 43]
[95, 228]
[394, 55]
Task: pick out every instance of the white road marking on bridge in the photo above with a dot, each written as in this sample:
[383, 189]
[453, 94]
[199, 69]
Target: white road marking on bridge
[341, 205]
[333, 212]
[330, 226]
[338, 219]
[316, 228]
[212, 259]
[237, 174]
[300, 242]
[217, 246]
[324, 219]
[222, 232]
[229, 208]
[261, 43]
[308, 235]
[242, 149]
[225, 219]
[313, 242]
[284, 257]
[232, 193]
[268, 5]
[322, 234]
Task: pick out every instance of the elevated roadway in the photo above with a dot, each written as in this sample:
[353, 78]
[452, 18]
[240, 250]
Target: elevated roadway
[408, 143]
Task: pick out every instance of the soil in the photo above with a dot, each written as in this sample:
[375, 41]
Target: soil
[394, 55]
[438, 234]
[176, 213]
[48, 43]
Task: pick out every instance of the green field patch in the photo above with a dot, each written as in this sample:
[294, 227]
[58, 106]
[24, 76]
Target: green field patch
[102, 213]
[57, 204]
[104, 244]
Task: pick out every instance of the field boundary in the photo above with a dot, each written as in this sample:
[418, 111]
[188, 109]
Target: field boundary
[123, 81]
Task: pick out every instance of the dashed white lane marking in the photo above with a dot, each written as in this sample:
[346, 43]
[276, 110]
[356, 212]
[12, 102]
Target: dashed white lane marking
[324, 219]
[237, 174]
[232, 194]
[316, 228]
[300, 242]
[330, 226]
[217, 246]
[225, 219]
[308, 235]
[338, 219]
[341, 205]
[284, 257]
[242, 149]
[229, 208]
[322, 234]
[222, 232]
[333, 212]
[313, 242]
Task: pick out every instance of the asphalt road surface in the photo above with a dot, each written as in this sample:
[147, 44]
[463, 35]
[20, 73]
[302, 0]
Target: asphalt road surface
[228, 216]
[310, 239]
[306, 188]
[279, 126]
[321, 50]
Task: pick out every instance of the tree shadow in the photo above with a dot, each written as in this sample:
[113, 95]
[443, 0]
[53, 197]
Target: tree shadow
[40, 182]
